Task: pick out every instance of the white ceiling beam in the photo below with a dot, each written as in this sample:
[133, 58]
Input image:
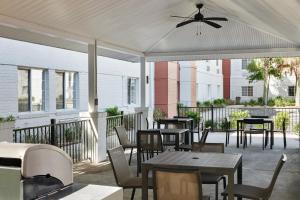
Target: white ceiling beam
[120, 49]
[222, 54]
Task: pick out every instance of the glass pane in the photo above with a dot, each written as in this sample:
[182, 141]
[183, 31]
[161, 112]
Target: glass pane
[23, 90]
[70, 89]
[37, 90]
[59, 82]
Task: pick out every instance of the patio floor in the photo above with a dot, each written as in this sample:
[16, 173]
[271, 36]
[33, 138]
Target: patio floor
[258, 166]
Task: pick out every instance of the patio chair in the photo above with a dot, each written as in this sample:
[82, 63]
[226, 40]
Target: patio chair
[198, 126]
[187, 147]
[123, 176]
[169, 140]
[123, 139]
[149, 143]
[228, 130]
[208, 178]
[257, 193]
[283, 131]
[171, 184]
[254, 131]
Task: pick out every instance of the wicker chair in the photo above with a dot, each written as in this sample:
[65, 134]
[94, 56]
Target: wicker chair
[208, 178]
[254, 131]
[123, 139]
[170, 184]
[283, 131]
[203, 138]
[149, 143]
[228, 130]
[123, 176]
[257, 193]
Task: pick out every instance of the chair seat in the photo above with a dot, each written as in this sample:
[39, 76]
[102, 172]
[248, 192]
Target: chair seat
[210, 178]
[136, 182]
[129, 146]
[206, 198]
[254, 131]
[185, 147]
[247, 191]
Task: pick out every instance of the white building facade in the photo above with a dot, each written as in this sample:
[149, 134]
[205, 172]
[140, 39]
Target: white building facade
[38, 83]
[208, 82]
[240, 86]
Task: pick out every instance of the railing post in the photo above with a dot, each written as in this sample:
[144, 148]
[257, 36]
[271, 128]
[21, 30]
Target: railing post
[212, 117]
[53, 132]
[122, 117]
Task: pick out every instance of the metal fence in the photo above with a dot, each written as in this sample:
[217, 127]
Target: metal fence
[76, 138]
[214, 116]
[131, 122]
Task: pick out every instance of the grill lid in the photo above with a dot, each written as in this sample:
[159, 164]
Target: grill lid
[38, 159]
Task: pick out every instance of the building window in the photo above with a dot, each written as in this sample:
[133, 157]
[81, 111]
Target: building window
[66, 90]
[132, 90]
[219, 91]
[208, 91]
[245, 63]
[208, 68]
[218, 71]
[31, 90]
[217, 62]
[247, 91]
[292, 91]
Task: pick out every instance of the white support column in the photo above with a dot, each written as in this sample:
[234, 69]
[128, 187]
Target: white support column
[143, 90]
[143, 82]
[99, 119]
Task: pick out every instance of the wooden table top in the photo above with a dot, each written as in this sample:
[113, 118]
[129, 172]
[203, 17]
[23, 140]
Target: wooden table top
[208, 162]
[173, 131]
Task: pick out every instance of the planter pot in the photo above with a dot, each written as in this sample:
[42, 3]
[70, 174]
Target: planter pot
[6, 131]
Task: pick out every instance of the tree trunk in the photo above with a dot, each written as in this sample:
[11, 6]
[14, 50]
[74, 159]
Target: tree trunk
[297, 97]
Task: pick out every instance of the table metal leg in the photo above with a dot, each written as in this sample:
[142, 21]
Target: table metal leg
[240, 175]
[144, 183]
[176, 142]
[272, 136]
[230, 186]
[237, 135]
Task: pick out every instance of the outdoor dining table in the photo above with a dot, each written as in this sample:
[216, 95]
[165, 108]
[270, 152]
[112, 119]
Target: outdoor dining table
[216, 163]
[240, 122]
[176, 133]
[188, 124]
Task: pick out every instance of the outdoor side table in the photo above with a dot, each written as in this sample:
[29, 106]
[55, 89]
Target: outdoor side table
[216, 163]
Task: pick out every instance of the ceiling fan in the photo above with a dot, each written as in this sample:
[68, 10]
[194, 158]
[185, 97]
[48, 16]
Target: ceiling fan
[200, 18]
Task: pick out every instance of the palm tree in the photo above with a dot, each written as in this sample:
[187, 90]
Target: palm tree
[292, 65]
[263, 69]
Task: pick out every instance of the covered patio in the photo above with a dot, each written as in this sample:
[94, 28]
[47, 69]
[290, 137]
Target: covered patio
[143, 31]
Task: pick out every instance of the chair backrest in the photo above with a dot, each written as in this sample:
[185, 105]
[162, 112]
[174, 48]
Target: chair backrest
[119, 165]
[170, 184]
[172, 123]
[148, 142]
[122, 135]
[208, 147]
[254, 120]
[276, 173]
[204, 135]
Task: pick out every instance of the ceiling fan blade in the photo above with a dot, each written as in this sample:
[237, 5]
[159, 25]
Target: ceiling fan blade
[216, 18]
[213, 24]
[184, 23]
[180, 17]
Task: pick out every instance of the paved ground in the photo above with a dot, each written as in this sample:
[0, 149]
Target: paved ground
[258, 166]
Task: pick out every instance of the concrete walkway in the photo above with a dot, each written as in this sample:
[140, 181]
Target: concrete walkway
[258, 167]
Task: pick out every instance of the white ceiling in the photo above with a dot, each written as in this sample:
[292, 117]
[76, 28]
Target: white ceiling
[144, 27]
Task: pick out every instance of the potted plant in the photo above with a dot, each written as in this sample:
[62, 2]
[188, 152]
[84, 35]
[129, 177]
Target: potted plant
[7, 126]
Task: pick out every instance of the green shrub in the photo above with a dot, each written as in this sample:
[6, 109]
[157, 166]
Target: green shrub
[207, 103]
[271, 102]
[234, 116]
[296, 128]
[179, 105]
[252, 102]
[199, 104]
[194, 115]
[158, 114]
[113, 111]
[279, 120]
[9, 118]
[260, 101]
[219, 102]
[209, 123]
